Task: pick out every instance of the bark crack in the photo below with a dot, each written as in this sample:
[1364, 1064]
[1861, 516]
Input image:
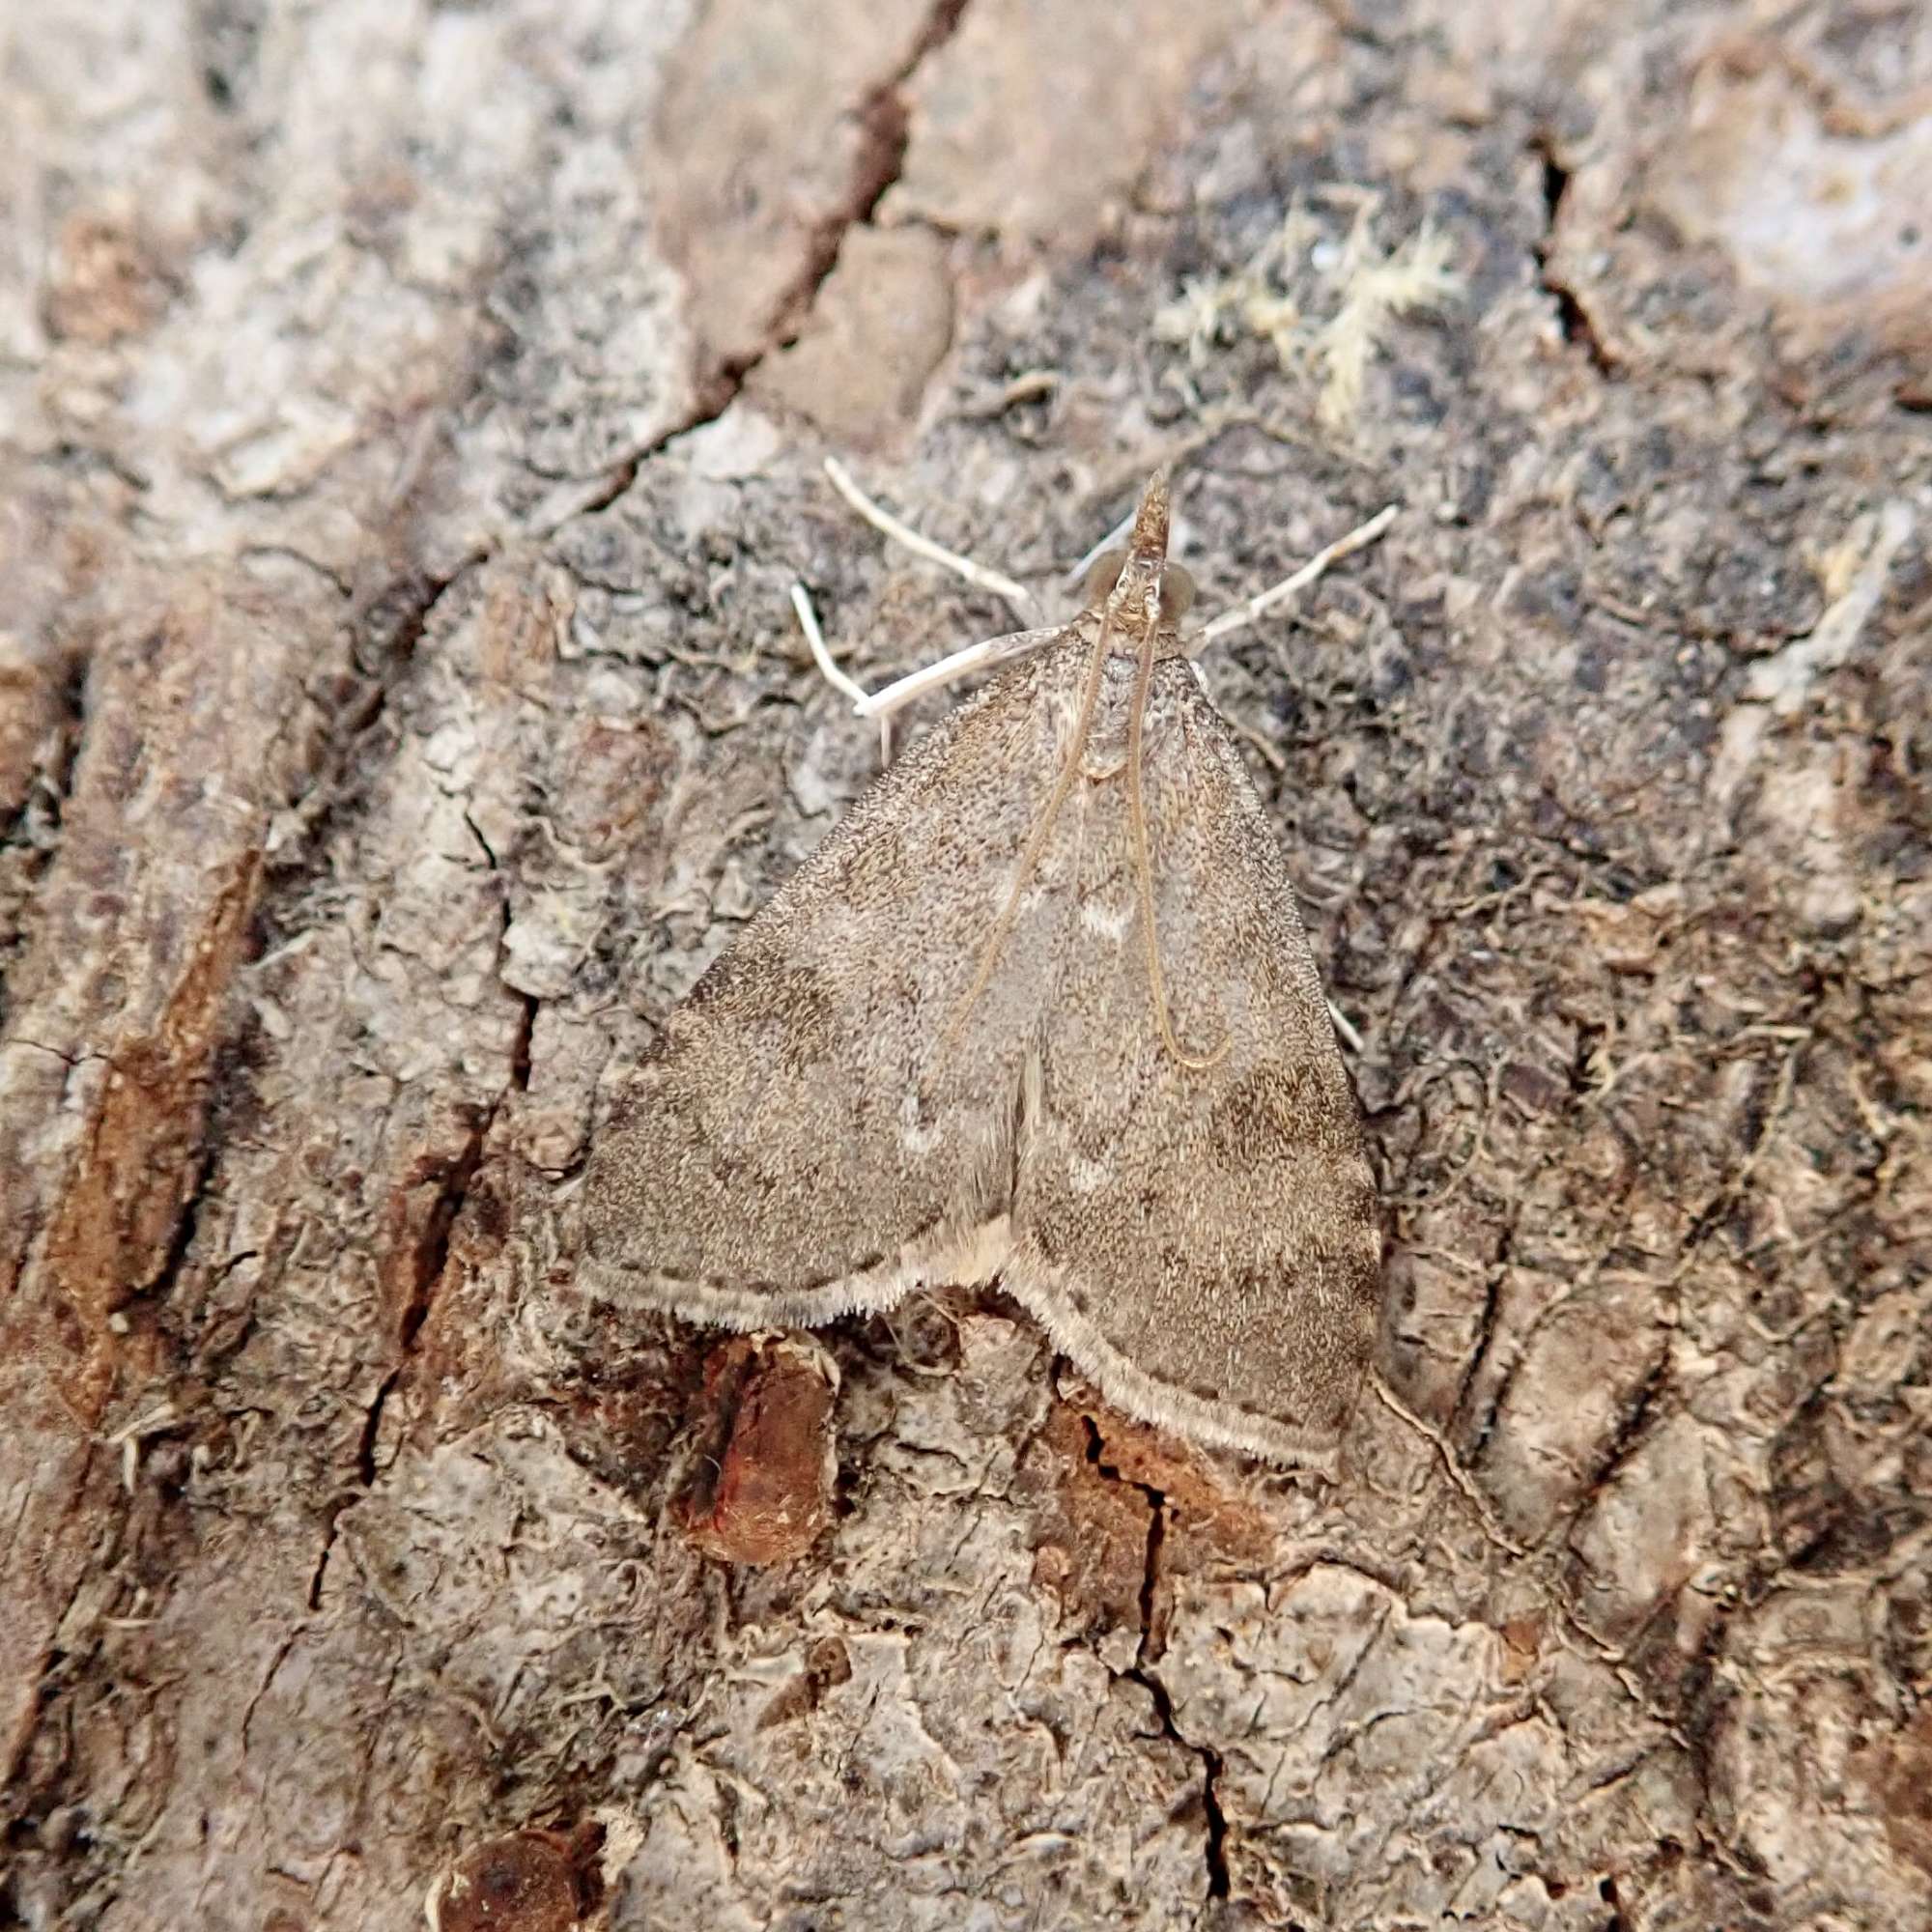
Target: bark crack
[886, 125]
[385, 626]
[1571, 316]
[187, 1218]
[1143, 1672]
[432, 1252]
[887, 128]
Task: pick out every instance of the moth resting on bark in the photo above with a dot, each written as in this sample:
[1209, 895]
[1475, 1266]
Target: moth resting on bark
[1039, 1012]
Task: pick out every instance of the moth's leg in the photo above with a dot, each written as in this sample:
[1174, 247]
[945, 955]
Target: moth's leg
[1344, 1029]
[882, 520]
[807, 622]
[883, 703]
[1264, 601]
[981, 656]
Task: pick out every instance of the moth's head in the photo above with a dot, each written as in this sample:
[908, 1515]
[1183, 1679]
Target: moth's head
[1137, 587]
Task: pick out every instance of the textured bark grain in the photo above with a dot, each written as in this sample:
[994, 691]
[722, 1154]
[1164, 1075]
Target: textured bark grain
[410, 425]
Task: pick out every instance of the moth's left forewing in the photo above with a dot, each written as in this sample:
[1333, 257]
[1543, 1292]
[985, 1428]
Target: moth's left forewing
[826, 1122]
[1203, 1241]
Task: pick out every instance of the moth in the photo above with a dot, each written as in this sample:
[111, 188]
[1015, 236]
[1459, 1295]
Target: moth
[1039, 1012]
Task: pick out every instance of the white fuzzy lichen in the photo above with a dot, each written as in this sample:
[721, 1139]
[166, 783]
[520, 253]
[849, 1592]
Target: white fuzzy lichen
[1324, 303]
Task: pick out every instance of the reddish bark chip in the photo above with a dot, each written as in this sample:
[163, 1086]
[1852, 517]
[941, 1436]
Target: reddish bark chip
[530, 1880]
[759, 1488]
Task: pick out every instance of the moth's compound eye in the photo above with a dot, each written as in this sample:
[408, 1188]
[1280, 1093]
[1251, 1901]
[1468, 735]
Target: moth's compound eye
[1176, 593]
[1103, 573]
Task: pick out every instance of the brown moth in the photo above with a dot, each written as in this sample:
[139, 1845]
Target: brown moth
[1039, 1012]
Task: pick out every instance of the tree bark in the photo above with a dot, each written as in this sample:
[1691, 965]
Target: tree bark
[412, 421]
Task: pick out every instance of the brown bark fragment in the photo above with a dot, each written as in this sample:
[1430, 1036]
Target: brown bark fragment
[762, 1468]
[1035, 121]
[768, 137]
[523, 1882]
[881, 323]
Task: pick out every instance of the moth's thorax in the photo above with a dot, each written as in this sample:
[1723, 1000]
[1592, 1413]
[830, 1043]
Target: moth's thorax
[1125, 637]
[1135, 601]
[1103, 745]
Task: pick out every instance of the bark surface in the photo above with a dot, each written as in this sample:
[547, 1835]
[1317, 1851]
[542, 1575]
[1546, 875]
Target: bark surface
[409, 426]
